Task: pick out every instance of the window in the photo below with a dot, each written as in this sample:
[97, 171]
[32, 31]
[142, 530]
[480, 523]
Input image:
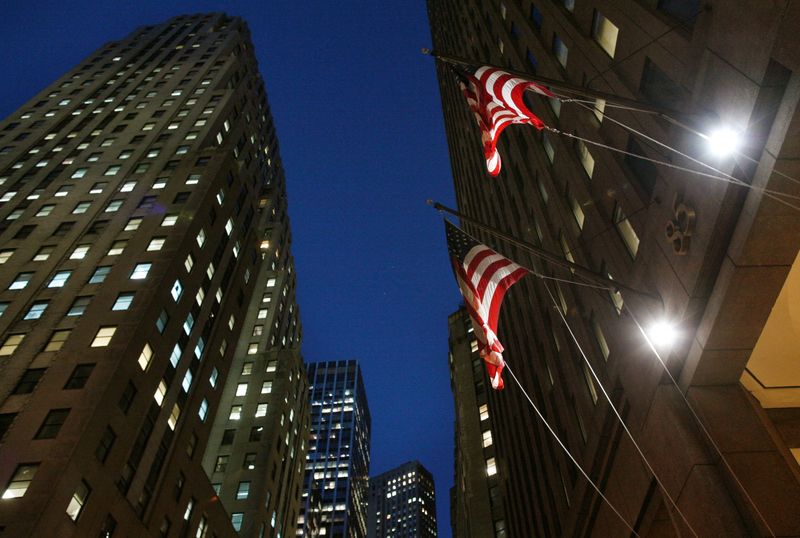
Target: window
[43, 253]
[79, 377]
[97, 188]
[20, 481]
[605, 33]
[128, 395]
[103, 336]
[45, 210]
[227, 437]
[222, 463]
[659, 88]
[156, 243]
[29, 380]
[491, 467]
[21, 281]
[145, 356]
[140, 271]
[261, 410]
[577, 210]
[100, 274]
[177, 290]
[237, 518]
[241, 389]
[236, 412]
[483, 410]
[249, 461]
[59, 279]
[112, 170]
[626, 231]
[117, 247]
[80, 252]
[128, 186]
[169, 220]
[212, 379]
[272, 366]
[243, 491]
[201, 237]
[36, 310]
[160, 183]
[548, 147]
[62, 229]
[105, 445]
[52, 424]
[602, 343]
[266, 387]
[113, 206]
[193, 179]
[57, 340]
[586, 157]
[255, 433]
[203, 411]
[560, 50]
[487, 438]
[133, 224]
[78, 501]
[160, 393]
[587, 376]
[123, 301]
[81, 208]
[685, 11]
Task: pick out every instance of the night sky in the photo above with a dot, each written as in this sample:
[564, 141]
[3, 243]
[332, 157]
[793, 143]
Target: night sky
[361, 135]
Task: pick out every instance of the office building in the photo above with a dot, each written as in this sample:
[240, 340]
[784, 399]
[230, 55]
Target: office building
[715, 261]
[336, 485]
[402, 503]
[143, 229]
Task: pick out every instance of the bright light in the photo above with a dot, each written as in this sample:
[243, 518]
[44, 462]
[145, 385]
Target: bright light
[662, 334]
[723, 141]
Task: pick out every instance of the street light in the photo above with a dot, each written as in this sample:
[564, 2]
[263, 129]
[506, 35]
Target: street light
[723, 141]
[662, 334]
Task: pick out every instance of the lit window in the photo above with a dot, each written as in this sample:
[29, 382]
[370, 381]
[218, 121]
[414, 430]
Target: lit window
[36, 310]
[201, 237]
[113, 206]
[78, 306]
[599, 108]
[100, 274]
[236, 520]
[236, 412]
[140, 271]
[577, 210]
[145, 357]
[128, 186]
[605, 33]
[11, 343]
[262, 313]
[487, 438]
[252, 349]
[97, 188]
[491, 467]
[161, 392]
[112, 170]
[21, 280]
[103, 336]
[80, 252]
[586, 157]
[247, 368]
[203, 411]
[271, 283]
[241, 389]
[261, 410]
[160, 183]
[229, 226]
[81, 208]
[177, 290]
[169, 220]
[212, 380]
[266, 387]
[57, 340]
[626, 231]
[20, 481]
[45, 210]
[123, 301]
[243, 491]
[59, 279]
[172, 421]
[483, 410]
[116, 248]
[133, 224]
[156, 243]
[272, 366]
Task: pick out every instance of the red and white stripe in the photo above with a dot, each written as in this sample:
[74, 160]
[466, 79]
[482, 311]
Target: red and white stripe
[484, 277]
[496, 99]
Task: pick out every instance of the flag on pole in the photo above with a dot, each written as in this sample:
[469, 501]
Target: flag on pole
[496, 99]
[483, 276]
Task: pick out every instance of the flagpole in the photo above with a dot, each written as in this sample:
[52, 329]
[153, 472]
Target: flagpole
[545, 255]
[632, 104]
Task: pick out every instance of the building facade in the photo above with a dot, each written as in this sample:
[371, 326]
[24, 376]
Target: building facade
[720, 259]
[476, 502]
[336, 485]
[143, 224]
[402, 503]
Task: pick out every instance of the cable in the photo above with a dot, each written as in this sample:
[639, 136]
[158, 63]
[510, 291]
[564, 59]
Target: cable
[616, 412]
[567, 452]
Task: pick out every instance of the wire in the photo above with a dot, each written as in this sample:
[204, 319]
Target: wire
[567, 452]
[616, 412]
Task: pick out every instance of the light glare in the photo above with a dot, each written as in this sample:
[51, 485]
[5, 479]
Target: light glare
[662, 334]
[723, 141]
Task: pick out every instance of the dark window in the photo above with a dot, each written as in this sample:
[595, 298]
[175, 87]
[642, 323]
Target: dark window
[685, 11]
[255, 433]
[79, 376]
[227, 437]
[29, 380]
[108, 528]
[63, 229]
[249, 460]
[52, 424]
[106, 444]
[644, 172]
[179, 486]
[79, 306]
[202, 161]
[181, 197]
[127, 397]
[97, 227]
[161, 322]
[25, 231]
[147, 202]
[536, 17]
[658, 88]
[100, 274]
[5, 422]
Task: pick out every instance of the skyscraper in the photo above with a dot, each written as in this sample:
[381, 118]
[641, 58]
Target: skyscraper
[402, 503]
[710, 260]
[143, 221]
[336, 483]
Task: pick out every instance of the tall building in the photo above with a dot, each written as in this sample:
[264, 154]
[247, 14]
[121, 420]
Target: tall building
[721, 260]
[336, 484]
[476, 502]
[402, 503]
[143, 230]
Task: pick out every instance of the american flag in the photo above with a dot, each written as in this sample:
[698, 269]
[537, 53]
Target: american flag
[483, 276]
[495, 98]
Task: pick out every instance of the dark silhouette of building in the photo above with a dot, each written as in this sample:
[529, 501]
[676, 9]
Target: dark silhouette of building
[720, 259]
[146, 278]
[402, 503]
[336, 482]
